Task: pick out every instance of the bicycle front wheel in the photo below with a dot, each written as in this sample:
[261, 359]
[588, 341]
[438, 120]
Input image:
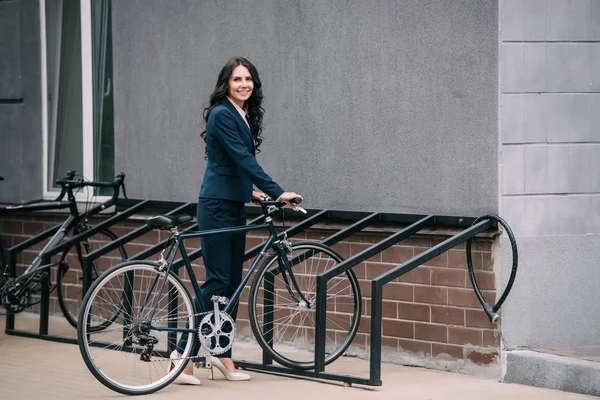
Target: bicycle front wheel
[284, 325]
[131, 356]
[69, 279]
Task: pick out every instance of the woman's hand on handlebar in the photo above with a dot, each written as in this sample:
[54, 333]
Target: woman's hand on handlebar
[287, 198]
[258, 197]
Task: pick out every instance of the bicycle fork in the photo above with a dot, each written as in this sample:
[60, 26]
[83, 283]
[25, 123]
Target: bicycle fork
[285, 268]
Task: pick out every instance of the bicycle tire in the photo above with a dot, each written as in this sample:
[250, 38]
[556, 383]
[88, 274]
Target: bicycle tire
[69, 289]
[343, 305]
[96, 353]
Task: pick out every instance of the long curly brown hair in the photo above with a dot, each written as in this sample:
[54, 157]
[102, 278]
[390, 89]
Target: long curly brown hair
[254, 110]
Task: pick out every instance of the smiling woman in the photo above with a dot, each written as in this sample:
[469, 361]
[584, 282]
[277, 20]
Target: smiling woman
[232, 136]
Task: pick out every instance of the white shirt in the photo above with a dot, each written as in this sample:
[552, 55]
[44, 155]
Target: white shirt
[240, 110]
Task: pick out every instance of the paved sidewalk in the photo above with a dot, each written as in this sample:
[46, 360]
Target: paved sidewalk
[39, 369]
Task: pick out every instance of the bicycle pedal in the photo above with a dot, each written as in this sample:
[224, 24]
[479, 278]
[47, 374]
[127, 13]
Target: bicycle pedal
[202, 362]
[220, 299]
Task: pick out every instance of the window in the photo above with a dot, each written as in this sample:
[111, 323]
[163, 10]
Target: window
[78, 99]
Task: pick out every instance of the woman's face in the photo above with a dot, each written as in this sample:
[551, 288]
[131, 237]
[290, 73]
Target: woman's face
[240, 85]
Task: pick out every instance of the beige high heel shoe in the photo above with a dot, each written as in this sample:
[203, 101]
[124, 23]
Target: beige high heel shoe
[183, 379]
[230, 376]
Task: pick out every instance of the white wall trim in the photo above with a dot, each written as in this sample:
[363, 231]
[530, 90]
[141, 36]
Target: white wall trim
[87, 90]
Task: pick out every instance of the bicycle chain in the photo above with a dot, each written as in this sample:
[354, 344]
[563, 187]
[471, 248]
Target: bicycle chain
[163, 359]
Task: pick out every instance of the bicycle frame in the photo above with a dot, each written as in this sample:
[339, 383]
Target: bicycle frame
[178, 245]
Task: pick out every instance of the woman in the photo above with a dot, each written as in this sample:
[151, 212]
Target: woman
[232, 136]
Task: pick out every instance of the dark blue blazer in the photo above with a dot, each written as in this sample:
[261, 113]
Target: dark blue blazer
[232, 167]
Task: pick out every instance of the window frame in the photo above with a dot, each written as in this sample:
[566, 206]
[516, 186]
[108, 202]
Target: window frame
[87, 103]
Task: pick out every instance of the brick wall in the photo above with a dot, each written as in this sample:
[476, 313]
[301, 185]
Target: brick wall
[430, 315]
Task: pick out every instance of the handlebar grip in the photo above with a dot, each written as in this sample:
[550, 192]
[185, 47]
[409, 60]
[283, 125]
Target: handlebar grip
[296, 200]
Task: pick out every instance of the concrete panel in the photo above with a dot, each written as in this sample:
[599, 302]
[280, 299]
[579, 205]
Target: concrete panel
[579, 68]
[559, 222]
[579, 20]
[512, 20]
[512, 68]
[555, 300]
[536, 212]
[536, 169]
[595, 20]
[579, 118]
[594, 67]
[534, 17]
[369, 105]
[553, 372]
[512, 118]
[557, 27]
[579, 164]
[534, 118]
[595, 118]
[534, 68]
[513, 170]
[10, 51]
[558, 172]
[557, 114]
[558, 59]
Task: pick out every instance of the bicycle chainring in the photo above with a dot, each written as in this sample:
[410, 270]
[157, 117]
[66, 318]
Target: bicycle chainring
[15, 298]
[216, 339]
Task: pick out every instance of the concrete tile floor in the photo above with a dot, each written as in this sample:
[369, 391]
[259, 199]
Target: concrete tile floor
[39, 369]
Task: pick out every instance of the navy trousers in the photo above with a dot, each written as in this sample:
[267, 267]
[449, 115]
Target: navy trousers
[223, 255]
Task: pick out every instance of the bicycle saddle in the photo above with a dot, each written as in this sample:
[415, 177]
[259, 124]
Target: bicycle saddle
[164, 222]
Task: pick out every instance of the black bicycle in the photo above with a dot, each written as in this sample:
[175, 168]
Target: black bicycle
[134, 355]
[22, 292]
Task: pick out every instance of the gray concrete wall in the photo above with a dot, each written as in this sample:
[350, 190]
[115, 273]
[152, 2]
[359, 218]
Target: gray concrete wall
[20, 101]
[550, 166]
[370, 105]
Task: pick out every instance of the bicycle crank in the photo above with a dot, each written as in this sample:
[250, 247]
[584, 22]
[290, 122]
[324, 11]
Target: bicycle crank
[216, 337]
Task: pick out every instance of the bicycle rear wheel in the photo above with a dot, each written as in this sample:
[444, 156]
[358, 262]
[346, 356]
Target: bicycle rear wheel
[114, 355]
[285, 327]
[69, 278]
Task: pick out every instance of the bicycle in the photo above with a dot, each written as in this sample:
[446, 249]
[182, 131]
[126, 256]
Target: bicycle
[18, 293]
[132, 356]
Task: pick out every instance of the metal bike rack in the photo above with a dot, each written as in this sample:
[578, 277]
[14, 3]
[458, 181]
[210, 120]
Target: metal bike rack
[416, 224]
[127, 209]
[355, 222]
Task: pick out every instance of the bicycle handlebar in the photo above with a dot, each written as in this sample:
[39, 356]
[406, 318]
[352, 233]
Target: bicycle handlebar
[69, 183]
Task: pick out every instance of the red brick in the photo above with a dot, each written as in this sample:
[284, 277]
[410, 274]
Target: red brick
[432, 295]
[389, 343]
[491, 339]
[343, 249]
[488, 261]
[448, 315]
[397, 328]
[445, 350]
[375, 269]
[457, 258]
[421, 274]
[389, 309]
[416, 242]
[448, 277]
[415, 312]
[33, 228]
[467, 298]
[459, 335]
[478, 318]
[482, 357]
[397, 254]
[485, 280]
[12, 227]
[398, 291]
[432, 332]
[356, 248]
[439, 261]
[415, 346]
